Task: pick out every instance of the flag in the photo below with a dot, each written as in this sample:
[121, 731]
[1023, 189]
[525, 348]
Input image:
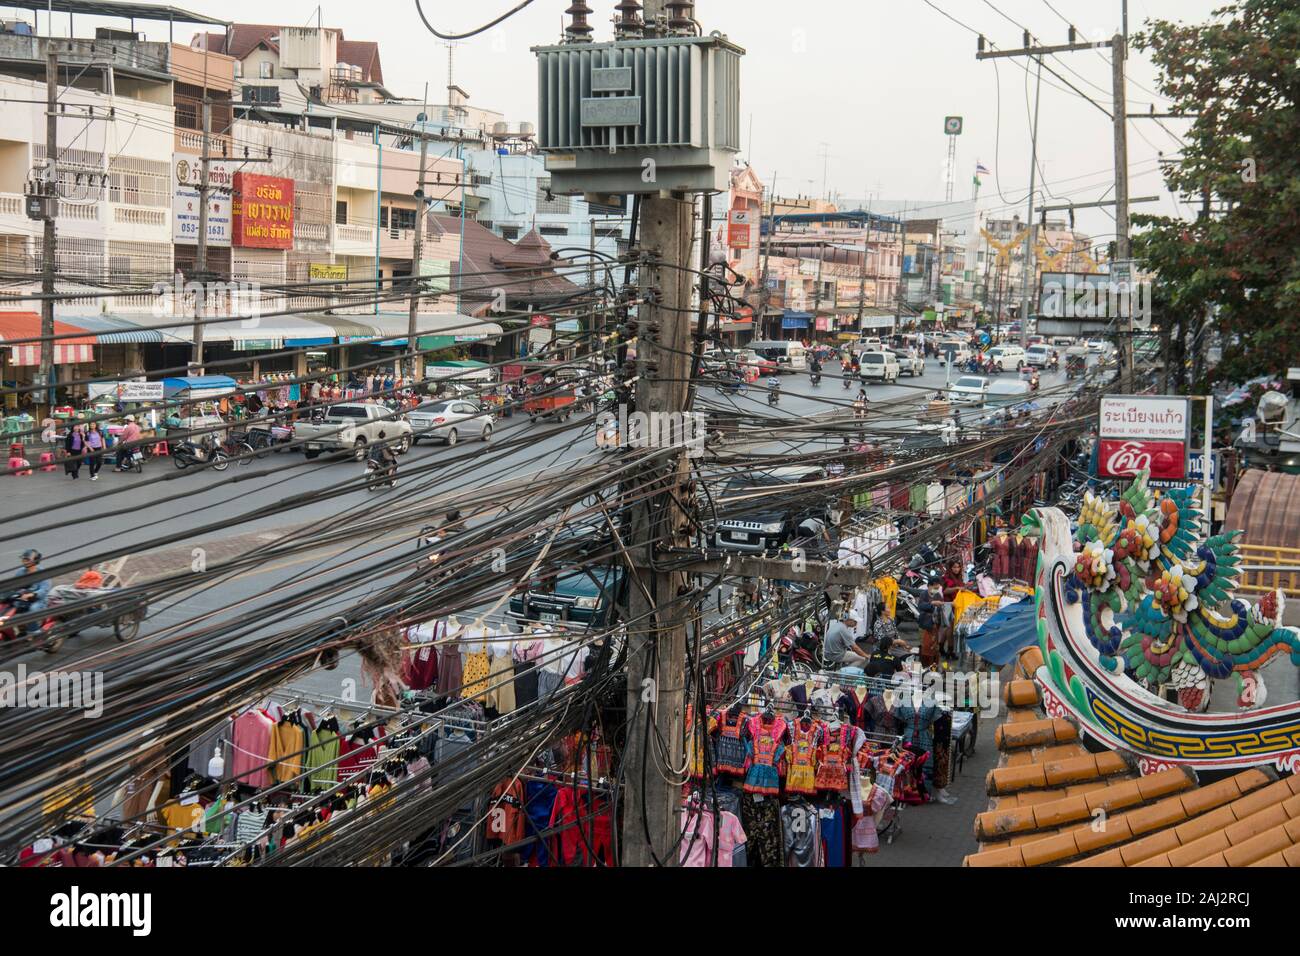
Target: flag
[981, 170]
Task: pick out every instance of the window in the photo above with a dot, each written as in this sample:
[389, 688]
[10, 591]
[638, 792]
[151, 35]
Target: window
[239, 68]
[482, 179]
[510, 232]
[554, 231]
[341, 213]
[383, 217]
[403, 218]
[266, 69]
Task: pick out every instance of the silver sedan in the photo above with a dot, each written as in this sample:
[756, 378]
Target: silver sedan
[451, 420]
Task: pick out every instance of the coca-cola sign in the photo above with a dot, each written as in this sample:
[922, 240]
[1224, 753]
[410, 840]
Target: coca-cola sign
[1165, 460]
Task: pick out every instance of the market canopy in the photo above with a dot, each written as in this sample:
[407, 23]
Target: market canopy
[114, 330]
[24, 328]
[119, 8]
[207, 386]
[1006, 633]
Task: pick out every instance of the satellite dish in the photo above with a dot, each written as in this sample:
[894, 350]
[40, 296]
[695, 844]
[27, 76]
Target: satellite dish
[1272, 408]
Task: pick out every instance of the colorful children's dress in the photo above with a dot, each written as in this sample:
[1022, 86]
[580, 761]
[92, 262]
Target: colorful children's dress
[730, 753]
[801, 767]
[764, 749]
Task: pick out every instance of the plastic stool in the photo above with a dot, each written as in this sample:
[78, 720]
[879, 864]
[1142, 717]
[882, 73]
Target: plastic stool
[17, 450]
[161, 450]
[21, 467]
[47, 461]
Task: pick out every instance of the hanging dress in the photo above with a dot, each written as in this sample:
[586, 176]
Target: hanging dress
[697, 747]
[832, 766]
[730, 748]
[801, 771]
[764, 750]
[450, 671]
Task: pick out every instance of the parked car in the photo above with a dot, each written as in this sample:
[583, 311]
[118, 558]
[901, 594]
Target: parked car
[910, 361]
[869, 343]
[595, 597]
[1098, 346]
[1007, 357]
[353, 427]
[751, 358]
[767, 523]
[881, 366]
[969, 390]
[1039, 356]
[450, 421]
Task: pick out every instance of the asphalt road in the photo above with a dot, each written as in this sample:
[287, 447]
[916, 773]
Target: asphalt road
[120, 511]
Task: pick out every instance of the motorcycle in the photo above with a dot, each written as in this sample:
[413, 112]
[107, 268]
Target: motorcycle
[380, 475]
[10, 607]
[59, 615]
[774, 394]
[134, 461]
[190, 455]
[815, 378]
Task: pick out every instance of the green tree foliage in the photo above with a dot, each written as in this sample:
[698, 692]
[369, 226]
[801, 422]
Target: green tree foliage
[1240, 74]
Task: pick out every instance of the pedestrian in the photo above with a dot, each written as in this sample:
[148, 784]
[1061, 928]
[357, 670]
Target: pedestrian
[74, 444]
[95, 449]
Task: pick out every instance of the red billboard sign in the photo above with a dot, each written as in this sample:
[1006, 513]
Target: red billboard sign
[738, 229]
[1121, 458]
[263, 212]
[1143, 433]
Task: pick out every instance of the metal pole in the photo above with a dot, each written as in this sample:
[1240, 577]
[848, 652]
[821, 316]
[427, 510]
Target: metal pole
[49, 233]
[1207, 478]
[1030, 271]
[767, 258]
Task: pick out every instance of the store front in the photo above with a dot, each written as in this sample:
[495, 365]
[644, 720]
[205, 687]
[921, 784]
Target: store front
[20, 362]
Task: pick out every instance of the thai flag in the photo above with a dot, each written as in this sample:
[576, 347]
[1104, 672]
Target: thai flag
[981, 170]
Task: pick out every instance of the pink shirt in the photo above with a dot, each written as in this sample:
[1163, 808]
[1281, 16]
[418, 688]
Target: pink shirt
[698, 850]
[252, 746]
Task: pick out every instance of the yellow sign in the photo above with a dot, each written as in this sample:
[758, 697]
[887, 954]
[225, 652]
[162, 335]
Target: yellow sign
[324, 272]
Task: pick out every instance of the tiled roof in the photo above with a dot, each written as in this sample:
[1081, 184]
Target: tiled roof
[244, 38]
[530, 271]
[1053, 802]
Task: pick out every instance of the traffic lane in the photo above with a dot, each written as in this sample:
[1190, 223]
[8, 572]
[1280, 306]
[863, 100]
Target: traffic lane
[208, 497]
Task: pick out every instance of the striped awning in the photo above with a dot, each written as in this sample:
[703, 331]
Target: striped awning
[27, 325]
[114, 330]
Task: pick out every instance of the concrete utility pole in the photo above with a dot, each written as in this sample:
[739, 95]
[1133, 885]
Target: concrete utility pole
[49, 248]
[656, 679]
[413, 369]
[201, 251]
[767, 258]
[1123, 246]
[1029, 272]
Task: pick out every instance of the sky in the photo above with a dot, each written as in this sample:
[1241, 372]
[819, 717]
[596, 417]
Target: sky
[846, 97]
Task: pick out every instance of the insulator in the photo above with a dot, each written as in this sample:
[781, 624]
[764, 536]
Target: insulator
[579, 31]
[681, 16]
[628, 24]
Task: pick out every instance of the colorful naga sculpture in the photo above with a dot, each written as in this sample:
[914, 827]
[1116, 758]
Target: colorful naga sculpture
[1154, 597]
[1135, 601]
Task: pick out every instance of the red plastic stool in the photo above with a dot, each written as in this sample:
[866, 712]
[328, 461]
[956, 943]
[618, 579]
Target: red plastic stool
[17, 450]
[161, 450]
[47, 461]
[21, 467]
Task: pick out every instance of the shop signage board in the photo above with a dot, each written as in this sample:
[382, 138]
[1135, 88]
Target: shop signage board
[326, 272]
[738, 229]
[262, 212]
[1144, 433]
[128, 391]
[185, 200]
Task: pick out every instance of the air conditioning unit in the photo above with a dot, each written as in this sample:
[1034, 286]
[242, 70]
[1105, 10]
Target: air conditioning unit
[639, 116]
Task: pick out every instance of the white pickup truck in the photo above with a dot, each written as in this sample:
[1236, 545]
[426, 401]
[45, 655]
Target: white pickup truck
[354, 427]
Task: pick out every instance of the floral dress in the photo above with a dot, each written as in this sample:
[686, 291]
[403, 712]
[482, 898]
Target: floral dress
[730, 746]
[764, 749]
[801, 767]
[833, 760]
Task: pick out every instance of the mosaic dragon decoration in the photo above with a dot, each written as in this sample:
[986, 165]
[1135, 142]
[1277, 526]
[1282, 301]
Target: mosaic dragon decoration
[1135, 602]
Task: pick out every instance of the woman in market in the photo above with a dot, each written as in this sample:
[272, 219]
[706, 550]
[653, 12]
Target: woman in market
[95, 447]
[74, 446]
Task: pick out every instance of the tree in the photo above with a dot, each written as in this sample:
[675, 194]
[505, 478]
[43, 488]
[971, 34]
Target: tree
[1239, 74]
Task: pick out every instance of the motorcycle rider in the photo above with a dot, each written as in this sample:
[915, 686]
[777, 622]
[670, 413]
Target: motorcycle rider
[774, 389]
[860, 403]
[384, 459]
[35, 594]
[126, 444]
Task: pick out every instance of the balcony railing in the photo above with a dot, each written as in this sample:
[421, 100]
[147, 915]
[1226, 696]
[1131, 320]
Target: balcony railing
[347, 233]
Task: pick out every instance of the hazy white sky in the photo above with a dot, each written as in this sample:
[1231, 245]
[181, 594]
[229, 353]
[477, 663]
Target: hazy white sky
[870, 79]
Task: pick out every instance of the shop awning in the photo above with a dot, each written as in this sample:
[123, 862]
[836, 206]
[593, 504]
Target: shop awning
[791, 319]
[444, 331]
[346, 328]
[114, 330]
[206, 385]
[277, 332]
[27, 325]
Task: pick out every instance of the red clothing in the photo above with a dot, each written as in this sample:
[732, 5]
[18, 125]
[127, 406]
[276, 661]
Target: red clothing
[569, 847]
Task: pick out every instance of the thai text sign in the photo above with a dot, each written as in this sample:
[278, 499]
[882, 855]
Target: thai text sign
[1143, 433]
[263, 211]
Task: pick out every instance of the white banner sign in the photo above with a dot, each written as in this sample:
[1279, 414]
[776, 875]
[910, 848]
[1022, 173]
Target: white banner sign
[128, 391]
[1155, 418]
[187, 172]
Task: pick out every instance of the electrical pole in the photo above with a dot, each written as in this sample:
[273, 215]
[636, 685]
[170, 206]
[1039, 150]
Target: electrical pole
[767, 257]
[201, 252]
[1123, 247]
[656, 649]
[49, 248]
[1029, 271]
[417, 255]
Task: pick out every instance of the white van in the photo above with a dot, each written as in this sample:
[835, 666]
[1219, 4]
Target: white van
[789, 356]
[1006, 358]
[882, 366]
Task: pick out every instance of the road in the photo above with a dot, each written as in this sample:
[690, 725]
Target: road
[120, 511]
